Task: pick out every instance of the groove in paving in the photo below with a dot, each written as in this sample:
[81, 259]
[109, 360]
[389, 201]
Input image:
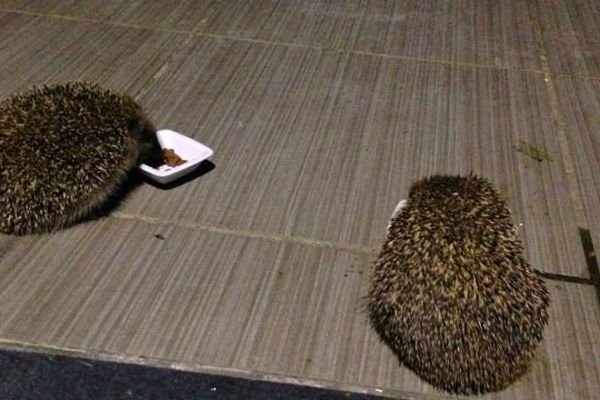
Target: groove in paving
[196, 33]
[322, 244]
[559, 122]
[354, 249]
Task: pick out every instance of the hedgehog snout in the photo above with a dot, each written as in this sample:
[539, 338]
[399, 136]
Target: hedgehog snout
[151, 152]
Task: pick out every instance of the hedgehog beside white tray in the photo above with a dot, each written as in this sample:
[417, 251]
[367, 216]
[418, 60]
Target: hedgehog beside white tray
[188, 149]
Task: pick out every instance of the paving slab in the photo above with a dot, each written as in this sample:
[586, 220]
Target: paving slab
[321, 145]
[580, 111]
[480, 32]
[177, 16]
[571, 36]
[321, 114]
[199, 298]
[150, 290]
[37, 50]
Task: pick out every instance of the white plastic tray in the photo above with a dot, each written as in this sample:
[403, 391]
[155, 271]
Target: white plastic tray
[188, 149]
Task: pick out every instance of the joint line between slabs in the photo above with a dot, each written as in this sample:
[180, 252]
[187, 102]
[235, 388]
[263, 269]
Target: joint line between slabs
[196, 32]
[323, 244]
[298, 240]
[368, 53]
[566, 156]
[559, 122]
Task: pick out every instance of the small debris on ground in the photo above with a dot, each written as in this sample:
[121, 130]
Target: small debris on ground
[159, 236]
[534, 152]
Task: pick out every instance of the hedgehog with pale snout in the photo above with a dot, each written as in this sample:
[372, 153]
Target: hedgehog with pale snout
[64, 151]
[452, 294]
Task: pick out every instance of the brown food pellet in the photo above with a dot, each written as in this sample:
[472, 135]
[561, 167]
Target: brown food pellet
[171, 158]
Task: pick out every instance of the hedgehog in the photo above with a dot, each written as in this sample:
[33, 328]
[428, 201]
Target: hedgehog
[65, 150]
[451, 293]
